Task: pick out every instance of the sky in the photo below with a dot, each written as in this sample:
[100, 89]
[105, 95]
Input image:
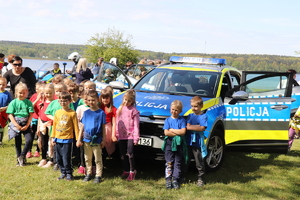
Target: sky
[191, 26]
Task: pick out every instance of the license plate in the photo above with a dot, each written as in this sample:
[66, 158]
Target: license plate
[145, 141]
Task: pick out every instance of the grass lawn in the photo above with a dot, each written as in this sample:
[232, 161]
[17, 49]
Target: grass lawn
[242, 176]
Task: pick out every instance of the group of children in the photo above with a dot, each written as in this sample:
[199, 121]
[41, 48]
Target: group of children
[184, 138]
[67, 122]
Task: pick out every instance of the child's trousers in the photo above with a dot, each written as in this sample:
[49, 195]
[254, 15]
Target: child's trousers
[196, 152]
[63, 156]
[28, 142]
[127, 154]
[89, 151]
[174, 161]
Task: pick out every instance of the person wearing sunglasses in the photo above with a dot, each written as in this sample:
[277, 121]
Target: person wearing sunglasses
[127, 66]
[20, 74]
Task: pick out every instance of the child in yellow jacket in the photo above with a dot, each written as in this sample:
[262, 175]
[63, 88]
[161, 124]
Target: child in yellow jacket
[65, 123]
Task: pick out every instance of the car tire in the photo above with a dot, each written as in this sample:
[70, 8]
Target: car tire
[216, 151]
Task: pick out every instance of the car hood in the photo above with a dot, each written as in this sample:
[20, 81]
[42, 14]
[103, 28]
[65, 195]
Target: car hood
[151, 104]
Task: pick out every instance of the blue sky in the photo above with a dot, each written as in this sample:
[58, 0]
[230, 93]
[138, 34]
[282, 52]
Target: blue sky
[198, 26]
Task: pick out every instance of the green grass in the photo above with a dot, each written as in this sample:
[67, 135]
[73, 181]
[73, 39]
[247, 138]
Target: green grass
[242, 176]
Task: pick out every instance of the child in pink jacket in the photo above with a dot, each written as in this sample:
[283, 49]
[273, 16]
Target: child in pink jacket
[128, 118]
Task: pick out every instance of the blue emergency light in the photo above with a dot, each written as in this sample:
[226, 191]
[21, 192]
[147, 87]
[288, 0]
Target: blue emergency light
[197, 60]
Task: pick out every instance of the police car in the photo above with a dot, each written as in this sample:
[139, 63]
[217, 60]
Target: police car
[248, 111]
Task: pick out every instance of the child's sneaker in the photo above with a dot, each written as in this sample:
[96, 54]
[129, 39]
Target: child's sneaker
[21, 161]
[81, 170]
[131, 176]
[175, 184]
[87, 178]
[29, 155]
[42, 163]
[49, 164]
[168, 184]
[62, 176]
[56, 167]
[36, 154]
[124, 175]
[69, 177]
[97, 179]
[200, 182]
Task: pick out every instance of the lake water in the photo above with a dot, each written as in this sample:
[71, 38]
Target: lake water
[35, 64]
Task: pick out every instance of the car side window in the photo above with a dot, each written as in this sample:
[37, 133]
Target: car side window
[267, 87]
[226, 86]
[235, 78]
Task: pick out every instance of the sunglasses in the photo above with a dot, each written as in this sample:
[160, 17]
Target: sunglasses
[17, 65]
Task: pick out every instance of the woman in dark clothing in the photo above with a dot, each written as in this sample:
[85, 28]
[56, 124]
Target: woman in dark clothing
[20, 74]
[82, 71]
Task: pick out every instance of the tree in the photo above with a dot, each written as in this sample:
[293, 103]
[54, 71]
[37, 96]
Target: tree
[111, 44]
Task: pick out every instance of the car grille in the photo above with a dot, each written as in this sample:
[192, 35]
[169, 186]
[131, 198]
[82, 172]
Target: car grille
[152, 129]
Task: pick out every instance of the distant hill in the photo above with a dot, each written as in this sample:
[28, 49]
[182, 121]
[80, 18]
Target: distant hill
[240, 61]
[39, 50]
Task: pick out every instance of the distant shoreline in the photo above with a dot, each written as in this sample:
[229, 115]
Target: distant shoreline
[34, 58]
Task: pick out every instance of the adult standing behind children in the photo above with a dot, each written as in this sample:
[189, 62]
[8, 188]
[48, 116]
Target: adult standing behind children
[98, 67]
[9, 66]
[82, 71]
[196, 125]
[75, 56]
[127, 66]
[20, 74]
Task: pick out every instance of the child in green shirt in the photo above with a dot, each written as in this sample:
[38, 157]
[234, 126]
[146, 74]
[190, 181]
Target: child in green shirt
[20, 111]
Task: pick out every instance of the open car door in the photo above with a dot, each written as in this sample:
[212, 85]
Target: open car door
[110, 74]
[258, 112]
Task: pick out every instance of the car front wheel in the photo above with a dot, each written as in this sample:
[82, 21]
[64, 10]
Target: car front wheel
[216, 150]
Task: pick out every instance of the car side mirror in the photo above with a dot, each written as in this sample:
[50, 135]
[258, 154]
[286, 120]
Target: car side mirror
[117, 84]
[240, 95]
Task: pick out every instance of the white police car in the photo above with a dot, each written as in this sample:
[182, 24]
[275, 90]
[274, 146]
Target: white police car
[251, 116]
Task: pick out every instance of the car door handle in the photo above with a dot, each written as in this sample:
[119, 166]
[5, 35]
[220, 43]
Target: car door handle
[279, 107]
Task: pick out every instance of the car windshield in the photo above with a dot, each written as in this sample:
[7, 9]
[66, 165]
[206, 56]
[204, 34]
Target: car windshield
[161, 80]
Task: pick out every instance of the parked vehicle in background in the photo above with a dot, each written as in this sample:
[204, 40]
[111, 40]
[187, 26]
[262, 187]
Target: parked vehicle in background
[43, 73]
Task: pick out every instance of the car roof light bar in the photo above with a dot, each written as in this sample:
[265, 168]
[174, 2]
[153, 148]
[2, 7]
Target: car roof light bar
[210, 61]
